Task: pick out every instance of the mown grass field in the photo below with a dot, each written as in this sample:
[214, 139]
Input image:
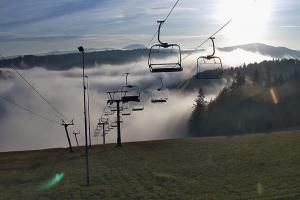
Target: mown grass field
[265, 166]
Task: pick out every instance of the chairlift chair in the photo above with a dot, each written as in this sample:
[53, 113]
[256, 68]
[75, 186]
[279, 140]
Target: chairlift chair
[159, 95]
[126, 109]
[209, 67]
[104, 119]
[130, 93]
[105, 133]
[107, 128]
[114, 124]
[97, 131]
[163, 51]
[113, 107]
[138, 106]
[107, 111]
[116, 120]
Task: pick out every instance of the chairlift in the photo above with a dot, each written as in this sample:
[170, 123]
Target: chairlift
[130, 93]
[105, 133]
[107, 129]
[115, 120]
[138, 106]
[209, 67]
[126, 109]
[97, 131]
[113, 107]
[104, 119]
[107, 111]
[114, 124]
[163, 51]
[159, 95]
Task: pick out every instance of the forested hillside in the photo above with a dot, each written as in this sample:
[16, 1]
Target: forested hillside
[262, 97]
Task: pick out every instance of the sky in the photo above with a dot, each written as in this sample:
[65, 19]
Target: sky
[41, 26]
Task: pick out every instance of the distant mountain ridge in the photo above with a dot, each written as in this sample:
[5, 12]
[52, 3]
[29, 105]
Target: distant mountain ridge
[64, 60]
[134, 46]
[275, 52]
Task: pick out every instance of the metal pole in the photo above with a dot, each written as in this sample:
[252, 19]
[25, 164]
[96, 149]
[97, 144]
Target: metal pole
[119, 143]
[66, 129]
[88, 96]
[85, 121]
[76, 140]
[103, 132]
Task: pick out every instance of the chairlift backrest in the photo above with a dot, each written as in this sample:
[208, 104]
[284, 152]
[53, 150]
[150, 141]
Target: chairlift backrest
[130, 93]
[159, 95]
[114, 124]
[107, 111]
[138, 106]
[126, 109]
[210, 66]
[115, 120]
[114, 107]
[104, 119]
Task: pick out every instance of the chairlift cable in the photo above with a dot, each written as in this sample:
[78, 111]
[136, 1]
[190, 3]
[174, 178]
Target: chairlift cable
[171, 10]
[28, 110]
[33, 88]
[189, 54]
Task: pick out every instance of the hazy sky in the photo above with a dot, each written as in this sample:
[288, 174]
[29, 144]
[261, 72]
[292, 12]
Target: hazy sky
[39, 26]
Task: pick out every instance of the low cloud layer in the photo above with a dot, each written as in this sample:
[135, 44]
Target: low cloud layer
[22, 131]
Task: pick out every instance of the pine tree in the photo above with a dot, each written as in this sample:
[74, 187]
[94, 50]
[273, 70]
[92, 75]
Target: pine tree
[256, 76]
[239, 80]
[198, 114]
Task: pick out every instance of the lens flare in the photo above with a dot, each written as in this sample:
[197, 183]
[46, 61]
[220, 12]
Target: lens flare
[53, 182]
[274, 95]
[259, 188]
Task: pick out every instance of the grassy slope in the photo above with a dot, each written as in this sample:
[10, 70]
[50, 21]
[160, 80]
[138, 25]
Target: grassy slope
[248, 167]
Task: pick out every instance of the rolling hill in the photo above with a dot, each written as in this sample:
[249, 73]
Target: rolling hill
[264, 166]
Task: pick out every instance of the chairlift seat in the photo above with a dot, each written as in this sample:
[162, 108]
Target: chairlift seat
[170, 67]
[209, 75]
[133, 98]
[158, 100]
[137, 109]
[126, 112]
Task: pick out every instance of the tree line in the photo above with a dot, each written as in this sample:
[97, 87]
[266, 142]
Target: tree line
[262, 97]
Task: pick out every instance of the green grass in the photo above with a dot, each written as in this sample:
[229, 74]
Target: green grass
[247, 167]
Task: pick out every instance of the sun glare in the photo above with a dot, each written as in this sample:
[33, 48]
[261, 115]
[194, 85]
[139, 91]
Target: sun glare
[249, 19]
